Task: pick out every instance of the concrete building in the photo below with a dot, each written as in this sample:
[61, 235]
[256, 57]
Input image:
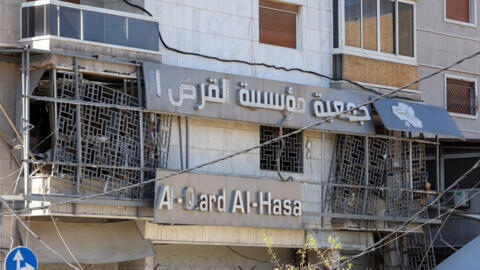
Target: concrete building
[147, 111]
[449, 33]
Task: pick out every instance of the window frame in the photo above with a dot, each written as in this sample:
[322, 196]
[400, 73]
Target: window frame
[378, 54]
[463, 78]
[298, 23]
[473, 12]
[300, 151]
[82, 8]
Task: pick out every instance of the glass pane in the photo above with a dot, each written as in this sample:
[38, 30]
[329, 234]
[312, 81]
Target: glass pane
[52, 21]
[352, 23]
[405, 29]
[369, 13]
[69, 22]
[93, 26]
[25, 21]
[335, 24]
[116, 30]
[142, 34]
[39, 20]
[387, 26]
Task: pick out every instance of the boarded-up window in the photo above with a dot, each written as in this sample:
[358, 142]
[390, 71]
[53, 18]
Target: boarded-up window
[461, 96]
[459, 10]
[278, 24]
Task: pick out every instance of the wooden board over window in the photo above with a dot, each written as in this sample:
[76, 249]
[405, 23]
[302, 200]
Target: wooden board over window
[278, 23]
[458, 10]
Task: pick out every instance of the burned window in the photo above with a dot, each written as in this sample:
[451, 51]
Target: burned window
[291, 158]
[461, 96]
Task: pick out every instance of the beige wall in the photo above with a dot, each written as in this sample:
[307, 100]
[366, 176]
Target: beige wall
[9, 79]
[212, 139]
[9, 21]
[378, 72]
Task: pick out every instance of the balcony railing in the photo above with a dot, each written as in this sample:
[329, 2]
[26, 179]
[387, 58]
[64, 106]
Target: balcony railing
[91, 24]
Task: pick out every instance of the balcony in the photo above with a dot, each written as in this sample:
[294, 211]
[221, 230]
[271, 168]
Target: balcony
[50, 19]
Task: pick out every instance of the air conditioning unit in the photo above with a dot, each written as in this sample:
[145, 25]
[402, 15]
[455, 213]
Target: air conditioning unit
[460, 199]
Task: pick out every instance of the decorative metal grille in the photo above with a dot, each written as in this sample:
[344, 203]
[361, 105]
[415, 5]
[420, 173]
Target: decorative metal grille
[461, 97]
[110, 137]
[291, 159]
[354, 191]
[349, 171]
[415, 247]
[402, 203]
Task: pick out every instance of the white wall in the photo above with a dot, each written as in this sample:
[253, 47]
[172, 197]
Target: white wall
[212, 139]
[9, 21]
[229, 29]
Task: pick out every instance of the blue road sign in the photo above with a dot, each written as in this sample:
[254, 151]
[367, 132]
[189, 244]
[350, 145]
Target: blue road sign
[21, 258]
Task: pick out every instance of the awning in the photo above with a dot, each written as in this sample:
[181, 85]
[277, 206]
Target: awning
[464, 258]
[397, 114]
[91, 243]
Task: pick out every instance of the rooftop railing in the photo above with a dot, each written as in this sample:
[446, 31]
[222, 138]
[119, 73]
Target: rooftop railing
[91, 24]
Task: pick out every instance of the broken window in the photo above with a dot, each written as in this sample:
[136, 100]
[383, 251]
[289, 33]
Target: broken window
[111, 133]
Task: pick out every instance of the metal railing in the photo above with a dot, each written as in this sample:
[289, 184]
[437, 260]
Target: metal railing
[91, 24]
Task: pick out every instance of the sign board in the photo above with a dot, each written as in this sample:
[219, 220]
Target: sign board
[418, 117]
[202, 199]
[21, 258]
[239, 98]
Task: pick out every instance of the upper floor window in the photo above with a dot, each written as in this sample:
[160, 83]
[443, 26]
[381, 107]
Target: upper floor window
[91, 24]
[461, 96]
[384, 26]
[70, 1]
[278, 23]
[460, 11]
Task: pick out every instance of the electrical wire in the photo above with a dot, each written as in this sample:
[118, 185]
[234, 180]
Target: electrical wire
[409, 220]
[450, 212]
[413, 230]
[60, 234]
[35, 235]
[251, 63]
[434, 238]
[247, 257]
[257, 146]
[10, 174]
[325, 120]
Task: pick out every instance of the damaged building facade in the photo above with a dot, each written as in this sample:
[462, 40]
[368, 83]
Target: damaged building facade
[95, 107]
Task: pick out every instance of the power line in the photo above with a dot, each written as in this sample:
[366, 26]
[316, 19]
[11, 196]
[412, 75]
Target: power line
[259, 145]
[60, 234]
[247, 257]
[409, 220]
[240, 152]
[247, 62]
[36, 236]
[265, 143]
[327, 119]
[348, 259]
[450, 212]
